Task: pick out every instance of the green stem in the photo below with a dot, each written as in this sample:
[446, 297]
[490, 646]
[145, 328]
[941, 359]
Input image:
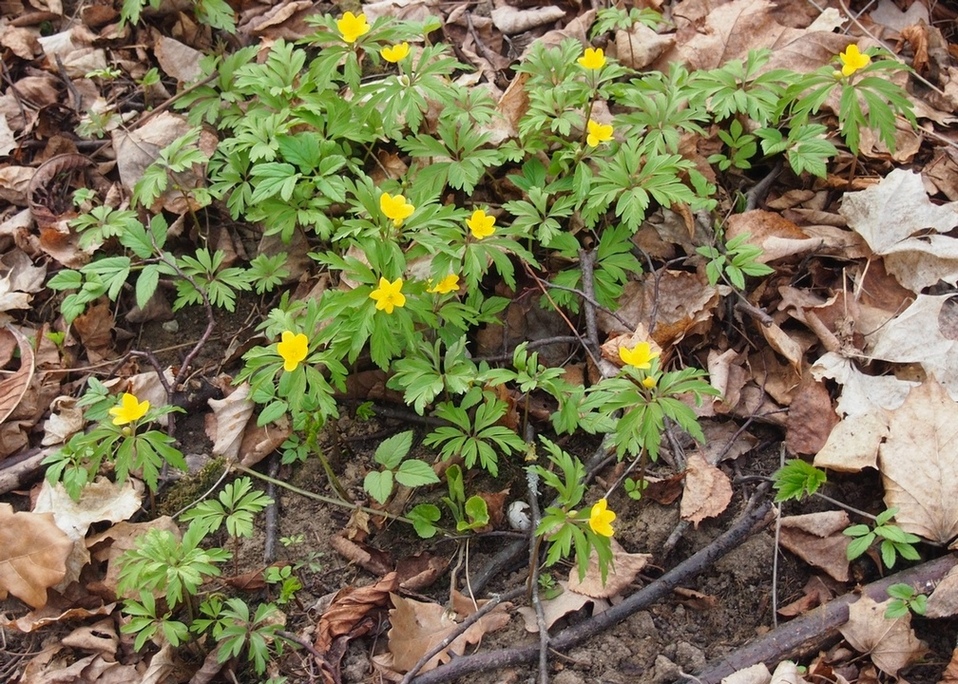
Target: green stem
[334, 482]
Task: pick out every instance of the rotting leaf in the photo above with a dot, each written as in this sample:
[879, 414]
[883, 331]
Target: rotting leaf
[33, 555]
[891, 644]
[349, 606]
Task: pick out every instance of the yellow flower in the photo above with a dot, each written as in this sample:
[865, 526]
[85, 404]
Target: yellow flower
[594, 58]
[648, 382]
[448, 284]
[640, 356]
[598, 133]
[600, 518]
[388, 295]
[395, 207]
[480, 224]
[352, 26]
[853, 60]
[129, 409]
[293, 348]
[395, 53]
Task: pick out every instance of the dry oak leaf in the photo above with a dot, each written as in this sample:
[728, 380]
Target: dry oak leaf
[891, 644]
[899, 222]
[707, 490]
[919, 464]
[417, 627]
[33, 555]
[817, 539]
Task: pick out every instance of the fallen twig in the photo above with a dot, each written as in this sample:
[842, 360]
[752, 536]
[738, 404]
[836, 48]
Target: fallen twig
[810, 632]
[754, 518]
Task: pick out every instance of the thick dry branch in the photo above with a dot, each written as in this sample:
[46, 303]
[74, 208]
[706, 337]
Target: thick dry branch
[754, 519]
[812, 631]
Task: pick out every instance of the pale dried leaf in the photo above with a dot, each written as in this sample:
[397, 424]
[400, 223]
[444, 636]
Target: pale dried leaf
[177, 60]
[787, 672]
[66, 419]
[784, 344]
[230, 418]
[557, 608]
[623, 571]
[417, 627]
[51, 615]
[864, 406]
[511, 20]
[102, 500]
[7, 141]
[888, 14]
[775, 235]
[919, 463]
[891, 644]
[708, 490]
[640, 46]
[895, 217]
[817, 539]
[33, 555]
[925, 333]
[943, 601]
[756, 674]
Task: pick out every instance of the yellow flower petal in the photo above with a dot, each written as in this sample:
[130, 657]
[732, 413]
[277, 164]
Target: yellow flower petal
[388, 296]
[448, 284]
[648, 382]
[293, 348]
[129, 409]
[480, 224]
[853, 60]
[598, 133]
[352, 26]
[396, 208]
[600, 519]
[593, 58]
[395, 53]
[640, 356]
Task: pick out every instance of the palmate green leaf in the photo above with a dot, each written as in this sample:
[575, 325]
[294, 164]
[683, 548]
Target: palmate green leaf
[797, 479]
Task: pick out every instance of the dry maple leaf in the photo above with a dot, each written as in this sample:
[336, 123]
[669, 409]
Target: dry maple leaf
[919, 463]
[891, 644]
[33, 555]
[417, 627]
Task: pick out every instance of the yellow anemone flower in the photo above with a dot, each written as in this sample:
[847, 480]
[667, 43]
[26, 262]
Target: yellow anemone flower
[448, 284]
[593, 58]
[640, 356]
[480, 224]
[129, 409]
[600, 518]
[388, 295]
[293, 348]
[853, 60]
[395, 53]
[395, 207]
[352, 26]
[648, 382]
[598, 133]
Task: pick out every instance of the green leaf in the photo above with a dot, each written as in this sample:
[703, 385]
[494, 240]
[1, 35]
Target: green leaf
[423, 516]
[416, 473]
[859, 546]
[146, 284]
[379, 485]
[392, 451]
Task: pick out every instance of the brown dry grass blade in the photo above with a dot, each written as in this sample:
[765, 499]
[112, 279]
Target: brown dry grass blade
[15, 386]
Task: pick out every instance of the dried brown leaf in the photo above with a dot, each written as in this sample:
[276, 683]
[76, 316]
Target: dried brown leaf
[708, 490]
[51, 615]
[557, 608]
[919, 463]
[815, 593]
[817, 539]
[625, 567]
[33, 555]
[417, 627]
[13, 387]
[349, 606]
[810, 418]
[228, 422]
[943, 601]
[891, 644]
